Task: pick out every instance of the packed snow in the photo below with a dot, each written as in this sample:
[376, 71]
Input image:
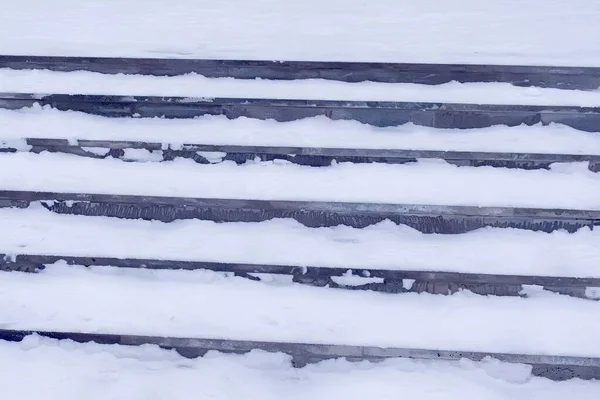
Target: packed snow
[567, 186]
[383, 246]
[207, 305]
[45, 122]
[557, 32]
[192, 85]
[97, 372]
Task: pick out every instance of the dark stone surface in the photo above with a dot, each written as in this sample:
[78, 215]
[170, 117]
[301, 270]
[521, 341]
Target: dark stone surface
[425, 218]
[381, 114]
[430, 74]
[435, 282]
[315, 157]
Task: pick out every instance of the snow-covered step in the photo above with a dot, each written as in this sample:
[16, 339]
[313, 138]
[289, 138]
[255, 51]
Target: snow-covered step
[203, 304]
[551, 324]
[365, 278]
[431, 74]
[505, 32]
[192, 86]
[318, 132]
[310, 156]
[554, 367]
[376, 113]
[103, 371]
[384, 246]
[424, 218]
[425, 182]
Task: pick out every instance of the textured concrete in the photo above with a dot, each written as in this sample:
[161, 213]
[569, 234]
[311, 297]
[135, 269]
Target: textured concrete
[435, 282]
[430, 74]
[310, 156]
[425, 218]
[381, 114]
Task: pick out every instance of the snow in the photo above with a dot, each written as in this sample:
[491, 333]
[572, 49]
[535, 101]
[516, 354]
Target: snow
[203, 303]
[45, 122]
[592, 293]
[382, 246]
[212, 157]
[192, 85]
[495, 31]
[349, 279]
[407, 283]
[142, 155]
[33, 368]
[207, 305]
[565, 186]
[99, 151]
[18, 144]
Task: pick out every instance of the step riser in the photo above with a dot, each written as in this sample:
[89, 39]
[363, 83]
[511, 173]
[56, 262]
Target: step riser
[380, 114]
[430, 74]
[426, 219]
[304, 156]
[395, 281]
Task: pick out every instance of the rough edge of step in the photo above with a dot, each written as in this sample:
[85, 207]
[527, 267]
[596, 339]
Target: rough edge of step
[418, 73]
[425, 218]
[375, 113]
[393, 281]
[549, 366]
[307, 156]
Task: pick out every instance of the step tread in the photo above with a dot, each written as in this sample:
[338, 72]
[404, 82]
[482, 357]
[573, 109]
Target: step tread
[36, 231]
[204, 304]
[433, 182]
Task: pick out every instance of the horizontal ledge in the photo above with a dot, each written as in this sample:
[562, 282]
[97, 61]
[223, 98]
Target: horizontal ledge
[382, 114]
[316, 156]
[425, 218]
[316, 206]
[7, 260]
[551, 366]
[314, 103]
[431, 74]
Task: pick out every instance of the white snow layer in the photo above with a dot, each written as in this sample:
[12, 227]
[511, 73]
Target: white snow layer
[192, 85]
[286, 242]
[206, 304]
[45, 122]
[31, 370]
[425, 182]
[201, 303]
[556, 32]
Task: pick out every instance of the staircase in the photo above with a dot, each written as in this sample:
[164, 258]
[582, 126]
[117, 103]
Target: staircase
[201, 224]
